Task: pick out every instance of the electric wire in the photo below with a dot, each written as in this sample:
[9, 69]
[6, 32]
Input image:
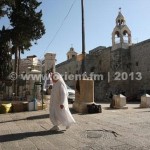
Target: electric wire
[59, 27]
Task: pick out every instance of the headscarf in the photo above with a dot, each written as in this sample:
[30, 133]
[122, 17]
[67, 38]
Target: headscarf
[58, 76]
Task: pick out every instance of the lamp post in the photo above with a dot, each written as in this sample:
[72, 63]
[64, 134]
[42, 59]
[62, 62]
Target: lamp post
[85, 87]
[83, 38]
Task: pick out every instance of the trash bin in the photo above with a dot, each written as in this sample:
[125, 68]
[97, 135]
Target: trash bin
[32, 105]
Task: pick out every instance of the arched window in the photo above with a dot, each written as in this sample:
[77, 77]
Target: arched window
[122, 22]
[119, 22]
[117, 34]
[125, 36]
[117, 37]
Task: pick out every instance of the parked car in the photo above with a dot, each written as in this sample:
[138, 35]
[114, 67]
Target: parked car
[71, 94]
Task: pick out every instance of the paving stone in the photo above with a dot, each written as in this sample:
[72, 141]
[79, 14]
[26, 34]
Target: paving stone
[110, 130]
[0, 146]
[26, 144]
[10, 146]
[123, 147]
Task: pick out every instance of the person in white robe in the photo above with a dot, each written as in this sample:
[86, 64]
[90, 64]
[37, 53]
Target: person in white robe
[59, 109]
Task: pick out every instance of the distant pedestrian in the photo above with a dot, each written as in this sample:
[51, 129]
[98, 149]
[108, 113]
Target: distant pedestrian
[59, 109]
[112, 101]
[111, 95]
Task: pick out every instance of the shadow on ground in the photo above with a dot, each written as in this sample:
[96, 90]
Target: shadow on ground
[28, 118]
[20, 136]
[35, 117]
[38, 117]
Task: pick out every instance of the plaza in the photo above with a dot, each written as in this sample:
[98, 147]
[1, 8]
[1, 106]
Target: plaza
[113, 129]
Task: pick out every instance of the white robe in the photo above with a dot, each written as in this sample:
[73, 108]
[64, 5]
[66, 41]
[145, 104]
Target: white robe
[59, 97]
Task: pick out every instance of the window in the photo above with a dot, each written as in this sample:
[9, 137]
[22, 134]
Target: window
[137, 63]
[92, 69]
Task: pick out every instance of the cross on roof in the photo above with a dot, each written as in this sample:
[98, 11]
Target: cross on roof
[120, 9]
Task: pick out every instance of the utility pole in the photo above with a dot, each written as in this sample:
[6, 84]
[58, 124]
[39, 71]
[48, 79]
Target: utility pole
[83, 38]
[82, 99]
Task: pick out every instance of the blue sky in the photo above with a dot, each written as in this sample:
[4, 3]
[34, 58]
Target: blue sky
[100, 18]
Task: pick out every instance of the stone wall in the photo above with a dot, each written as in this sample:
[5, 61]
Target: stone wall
[140, 64]
[99, 63]
[104, 61]
[71, 66]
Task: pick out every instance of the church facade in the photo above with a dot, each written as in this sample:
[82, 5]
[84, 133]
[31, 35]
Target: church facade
[124, 67]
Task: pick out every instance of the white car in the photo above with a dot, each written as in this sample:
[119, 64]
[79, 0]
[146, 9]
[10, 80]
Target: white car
[71, 94]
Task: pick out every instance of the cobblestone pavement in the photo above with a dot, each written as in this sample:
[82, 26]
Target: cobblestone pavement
[113, 129]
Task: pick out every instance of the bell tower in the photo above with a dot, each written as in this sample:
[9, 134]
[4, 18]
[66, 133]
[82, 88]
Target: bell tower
[120, 60]
[121, 35]
[121, 40]
[71, 53]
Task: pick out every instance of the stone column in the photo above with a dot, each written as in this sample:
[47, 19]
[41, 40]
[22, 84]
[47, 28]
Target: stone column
[145, 101]
[36, 73]
[84, 96]
[118, 101]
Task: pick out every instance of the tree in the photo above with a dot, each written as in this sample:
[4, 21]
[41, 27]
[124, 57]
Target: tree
[5, 55]
[27, 26]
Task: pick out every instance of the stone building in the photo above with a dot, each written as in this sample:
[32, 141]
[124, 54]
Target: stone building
[27, 67]
[124, 67]
[34, 66]
[49, 62]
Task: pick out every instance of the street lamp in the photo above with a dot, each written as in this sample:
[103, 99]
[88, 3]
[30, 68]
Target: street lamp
[83, 38]
[86, 95]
